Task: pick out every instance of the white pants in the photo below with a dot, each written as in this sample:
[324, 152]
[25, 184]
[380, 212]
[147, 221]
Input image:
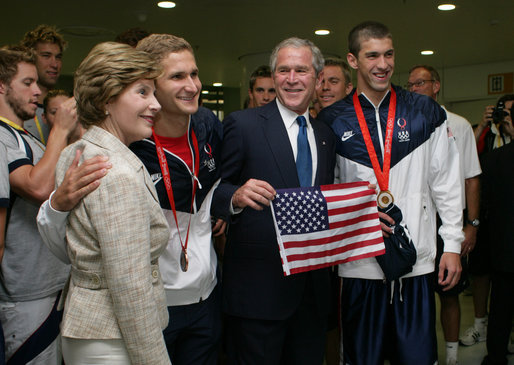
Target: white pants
[20, 320]
[89, 352]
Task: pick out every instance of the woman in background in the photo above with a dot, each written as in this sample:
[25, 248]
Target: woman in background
[115, 309]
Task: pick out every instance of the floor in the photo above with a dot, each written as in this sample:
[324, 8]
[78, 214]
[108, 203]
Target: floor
[471, 355]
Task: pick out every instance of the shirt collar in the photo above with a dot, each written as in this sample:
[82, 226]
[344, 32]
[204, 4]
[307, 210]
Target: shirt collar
[289, 117]
[378, 106]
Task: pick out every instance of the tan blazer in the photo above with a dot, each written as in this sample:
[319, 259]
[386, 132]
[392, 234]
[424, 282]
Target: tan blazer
[115, 236]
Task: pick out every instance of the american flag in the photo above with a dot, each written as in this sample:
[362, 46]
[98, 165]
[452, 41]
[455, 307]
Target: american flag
[326, 225]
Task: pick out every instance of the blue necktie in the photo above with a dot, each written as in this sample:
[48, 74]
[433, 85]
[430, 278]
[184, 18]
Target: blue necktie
[303, 158]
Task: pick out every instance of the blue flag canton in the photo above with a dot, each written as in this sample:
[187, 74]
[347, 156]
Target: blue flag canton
[301, 210]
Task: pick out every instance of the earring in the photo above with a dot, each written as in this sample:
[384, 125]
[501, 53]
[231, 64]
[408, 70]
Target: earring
[106, 112]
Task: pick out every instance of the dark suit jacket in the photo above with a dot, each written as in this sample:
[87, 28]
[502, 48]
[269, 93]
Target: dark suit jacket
[497, 201]
[256, 145]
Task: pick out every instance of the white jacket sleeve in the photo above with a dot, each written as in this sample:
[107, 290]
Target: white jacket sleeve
[445, 184]
[52, 228]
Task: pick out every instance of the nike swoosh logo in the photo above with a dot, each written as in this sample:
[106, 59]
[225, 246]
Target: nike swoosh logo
[346, 137]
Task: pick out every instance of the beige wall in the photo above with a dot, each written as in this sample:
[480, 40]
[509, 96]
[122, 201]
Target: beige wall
[464, 89]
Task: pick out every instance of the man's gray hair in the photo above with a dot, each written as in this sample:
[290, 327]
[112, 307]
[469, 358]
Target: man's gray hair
[318, 61]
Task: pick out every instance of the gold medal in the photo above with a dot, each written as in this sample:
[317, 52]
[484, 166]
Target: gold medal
[384, 199]
[184, 261]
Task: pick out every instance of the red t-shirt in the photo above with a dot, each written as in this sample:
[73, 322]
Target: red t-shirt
[179, 146]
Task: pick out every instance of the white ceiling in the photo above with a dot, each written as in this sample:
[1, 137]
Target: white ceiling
[223, 30]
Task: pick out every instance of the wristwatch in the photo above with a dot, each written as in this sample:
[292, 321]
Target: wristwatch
[475, 222]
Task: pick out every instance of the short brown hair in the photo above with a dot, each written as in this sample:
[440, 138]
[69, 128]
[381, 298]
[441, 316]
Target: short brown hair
[43, 34]
[104, 73]
[332, 61]
[53, 94]
[261, 71]
[10, 57]
[363, 32]
[132, 36]
[160, 45]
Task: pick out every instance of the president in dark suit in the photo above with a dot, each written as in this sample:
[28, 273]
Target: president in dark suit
[273, 319]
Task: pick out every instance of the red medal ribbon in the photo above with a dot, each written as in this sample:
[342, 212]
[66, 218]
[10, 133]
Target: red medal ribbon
[382, 176]
[167, 181]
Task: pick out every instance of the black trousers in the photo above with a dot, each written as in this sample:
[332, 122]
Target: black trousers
[298, 340]
[501, 313]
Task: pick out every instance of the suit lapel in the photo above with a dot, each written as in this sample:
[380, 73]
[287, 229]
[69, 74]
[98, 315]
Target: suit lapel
[278, 141]
[321, 147]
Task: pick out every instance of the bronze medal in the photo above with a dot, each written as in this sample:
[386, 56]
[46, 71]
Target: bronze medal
[184, 261]
[384, 199]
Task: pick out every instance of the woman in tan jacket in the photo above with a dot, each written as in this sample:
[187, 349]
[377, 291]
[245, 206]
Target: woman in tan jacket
[115, 310]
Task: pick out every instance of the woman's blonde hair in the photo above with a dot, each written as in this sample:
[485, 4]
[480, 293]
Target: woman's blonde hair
[108, 69]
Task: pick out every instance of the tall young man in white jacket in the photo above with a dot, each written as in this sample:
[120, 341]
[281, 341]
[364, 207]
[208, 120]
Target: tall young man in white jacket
[395, 318]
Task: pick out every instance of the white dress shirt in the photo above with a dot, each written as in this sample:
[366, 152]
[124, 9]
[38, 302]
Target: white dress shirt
[292, 128]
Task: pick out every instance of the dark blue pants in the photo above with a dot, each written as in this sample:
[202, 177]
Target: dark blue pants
[376, 328]
[194, 332]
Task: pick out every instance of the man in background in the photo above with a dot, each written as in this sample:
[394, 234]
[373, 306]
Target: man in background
[498, 195]
[490, 134]
[336, 83]
[261, 90]
[48, 45]
[31, 276]
[425, 80]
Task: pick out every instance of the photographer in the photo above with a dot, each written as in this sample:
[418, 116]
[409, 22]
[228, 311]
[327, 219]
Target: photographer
[490, 133]
[498, 195]
[494, 131]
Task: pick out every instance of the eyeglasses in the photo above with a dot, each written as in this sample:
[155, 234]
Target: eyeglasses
[418, 83]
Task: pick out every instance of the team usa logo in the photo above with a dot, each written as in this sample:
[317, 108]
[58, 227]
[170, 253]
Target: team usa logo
[403, 134]
[209, 162]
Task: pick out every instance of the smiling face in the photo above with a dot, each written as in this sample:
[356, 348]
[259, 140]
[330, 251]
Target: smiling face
[295, 78]
[263, 91]
[48, 63]
[179, 87]
[131, 114]
[333, 87]
[375, 66]
[420, 76]
[22, 93]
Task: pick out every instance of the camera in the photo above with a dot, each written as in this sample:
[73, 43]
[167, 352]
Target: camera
[499, 113]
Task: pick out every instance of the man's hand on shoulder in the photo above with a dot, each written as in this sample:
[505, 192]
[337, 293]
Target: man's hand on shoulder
[254, 194]
[79, 181]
